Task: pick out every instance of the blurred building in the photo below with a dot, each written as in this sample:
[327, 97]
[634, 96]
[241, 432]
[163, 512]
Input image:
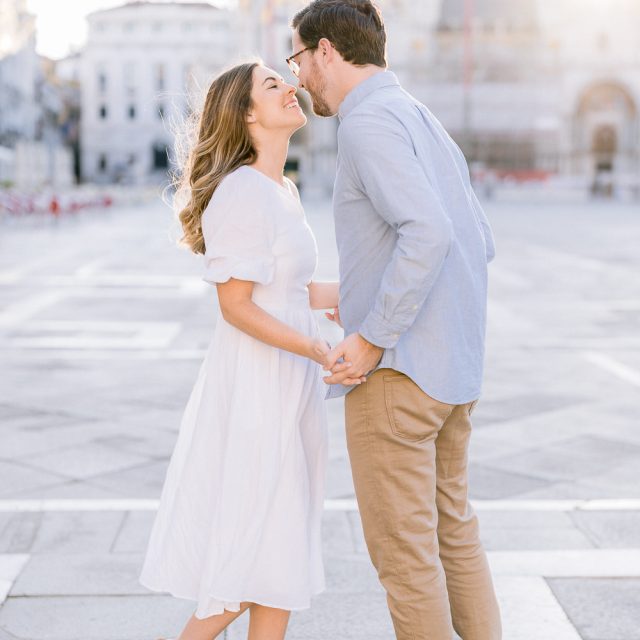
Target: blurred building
[60, 99]
[18, 69]
[140, 63]
[532, 87]
[528, 88]
[32, 153]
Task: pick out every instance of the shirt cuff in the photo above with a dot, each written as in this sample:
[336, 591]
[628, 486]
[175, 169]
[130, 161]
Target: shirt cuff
[379, 333]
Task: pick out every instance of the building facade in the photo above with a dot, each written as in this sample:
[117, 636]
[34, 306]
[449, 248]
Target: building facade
[32, 150]
[139, 69]
[528, 88]
[538, 87]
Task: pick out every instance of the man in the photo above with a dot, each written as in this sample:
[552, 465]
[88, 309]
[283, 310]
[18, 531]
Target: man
[414, 245]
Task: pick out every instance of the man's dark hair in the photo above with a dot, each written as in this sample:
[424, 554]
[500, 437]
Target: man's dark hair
[354, 27]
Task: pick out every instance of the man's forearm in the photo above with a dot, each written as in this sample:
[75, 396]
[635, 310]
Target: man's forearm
[405, 285]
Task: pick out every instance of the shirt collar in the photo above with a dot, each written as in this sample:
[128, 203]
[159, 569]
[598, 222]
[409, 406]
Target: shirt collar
[366, 87]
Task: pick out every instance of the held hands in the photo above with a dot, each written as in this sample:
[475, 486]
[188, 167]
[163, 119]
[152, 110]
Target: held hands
[359, 358]
[319, 350]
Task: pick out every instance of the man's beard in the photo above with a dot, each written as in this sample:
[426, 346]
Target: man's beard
[316, 88]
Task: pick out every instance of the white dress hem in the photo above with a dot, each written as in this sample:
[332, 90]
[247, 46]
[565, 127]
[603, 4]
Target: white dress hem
[232, 604]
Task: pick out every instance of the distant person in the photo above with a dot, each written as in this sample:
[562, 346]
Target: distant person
[414, 245]
[238, 527]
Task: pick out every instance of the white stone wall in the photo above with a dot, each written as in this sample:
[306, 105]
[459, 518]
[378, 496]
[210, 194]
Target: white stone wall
[139, 62]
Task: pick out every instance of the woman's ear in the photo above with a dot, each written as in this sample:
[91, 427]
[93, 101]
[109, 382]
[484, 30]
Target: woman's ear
[251, 117]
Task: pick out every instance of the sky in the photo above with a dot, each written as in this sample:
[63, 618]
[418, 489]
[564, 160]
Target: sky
[61, 26]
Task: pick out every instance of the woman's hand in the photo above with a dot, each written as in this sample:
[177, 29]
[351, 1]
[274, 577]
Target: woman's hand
[334, 317]
[318, 350]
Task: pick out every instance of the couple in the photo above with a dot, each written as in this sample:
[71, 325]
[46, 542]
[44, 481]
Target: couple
[238, 526]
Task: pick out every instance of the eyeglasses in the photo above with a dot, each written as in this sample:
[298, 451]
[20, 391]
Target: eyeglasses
[293, 65]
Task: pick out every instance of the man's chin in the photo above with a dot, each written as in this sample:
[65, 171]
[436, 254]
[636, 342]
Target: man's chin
[322, 110]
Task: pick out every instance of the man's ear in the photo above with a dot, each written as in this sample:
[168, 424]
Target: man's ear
[327, 50]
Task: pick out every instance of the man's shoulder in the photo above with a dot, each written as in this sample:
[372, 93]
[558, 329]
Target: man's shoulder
[386, 108]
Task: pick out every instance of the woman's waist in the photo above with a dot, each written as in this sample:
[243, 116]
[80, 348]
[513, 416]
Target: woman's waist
[281, 299]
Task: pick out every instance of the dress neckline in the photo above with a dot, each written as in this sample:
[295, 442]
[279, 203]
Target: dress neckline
[284, 186]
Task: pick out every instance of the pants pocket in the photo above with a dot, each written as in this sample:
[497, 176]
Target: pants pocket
[413, 415]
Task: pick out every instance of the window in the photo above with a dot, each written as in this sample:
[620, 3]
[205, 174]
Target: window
[131, 111]
[160, 157]
[102, 162]
[102, 112]
[102, 81]
[159, 73]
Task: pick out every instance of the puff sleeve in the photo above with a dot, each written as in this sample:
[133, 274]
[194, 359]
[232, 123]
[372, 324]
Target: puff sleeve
[238, 235]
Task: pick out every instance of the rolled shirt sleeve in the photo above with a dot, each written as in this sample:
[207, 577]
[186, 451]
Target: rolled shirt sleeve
[382, 159]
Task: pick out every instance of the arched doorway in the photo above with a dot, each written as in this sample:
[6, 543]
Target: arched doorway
[605, 135]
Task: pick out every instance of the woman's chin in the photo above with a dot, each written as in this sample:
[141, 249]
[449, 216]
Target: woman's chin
[301, 120]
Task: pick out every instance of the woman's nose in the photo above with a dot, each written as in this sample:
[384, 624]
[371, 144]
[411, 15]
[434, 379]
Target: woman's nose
[292, 89]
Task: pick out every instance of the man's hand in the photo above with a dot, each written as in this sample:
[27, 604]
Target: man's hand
[362, 355]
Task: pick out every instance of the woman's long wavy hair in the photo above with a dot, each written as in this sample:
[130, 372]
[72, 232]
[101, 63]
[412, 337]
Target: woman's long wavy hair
[223, 144]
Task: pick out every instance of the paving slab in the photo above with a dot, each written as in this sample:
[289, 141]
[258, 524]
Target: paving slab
[77, 532]
[506, 539]
[133, 536]
[19, 531]
[141, 617]
[80, 574]
[86, 461]
[489, 482]
[335, 615]
[16, 476]
[601, 609]
[610, 530]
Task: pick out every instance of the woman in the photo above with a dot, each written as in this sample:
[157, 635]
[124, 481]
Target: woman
[238, 525]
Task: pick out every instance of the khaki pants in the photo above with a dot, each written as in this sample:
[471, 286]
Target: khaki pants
[408, 456]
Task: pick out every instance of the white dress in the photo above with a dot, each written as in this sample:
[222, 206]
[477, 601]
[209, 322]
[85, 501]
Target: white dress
[241, 506]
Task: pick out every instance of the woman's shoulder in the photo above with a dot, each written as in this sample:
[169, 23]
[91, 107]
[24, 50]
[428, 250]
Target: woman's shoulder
[238, 194]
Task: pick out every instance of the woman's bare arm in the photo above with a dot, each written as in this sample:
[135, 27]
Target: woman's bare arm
[323, 295]
[239, 310]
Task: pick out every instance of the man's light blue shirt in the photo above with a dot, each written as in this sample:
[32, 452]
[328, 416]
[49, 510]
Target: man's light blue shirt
[413, 242]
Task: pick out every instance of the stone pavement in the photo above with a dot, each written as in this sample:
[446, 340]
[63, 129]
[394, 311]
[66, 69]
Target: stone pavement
[102, 327]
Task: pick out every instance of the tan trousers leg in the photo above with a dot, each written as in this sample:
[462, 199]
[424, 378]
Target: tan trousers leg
[408, 456]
